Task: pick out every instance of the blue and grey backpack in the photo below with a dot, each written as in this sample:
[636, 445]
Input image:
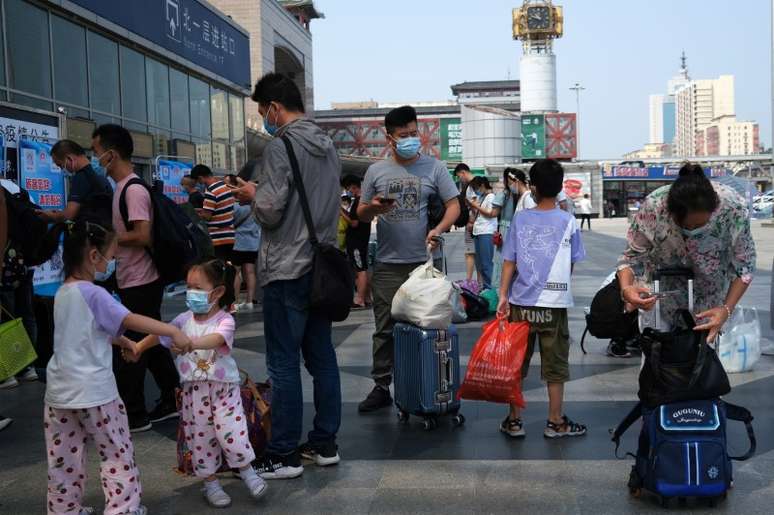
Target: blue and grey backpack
[682, 449]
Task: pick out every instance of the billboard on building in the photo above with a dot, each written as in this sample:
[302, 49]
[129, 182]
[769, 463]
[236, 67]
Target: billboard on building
[451, 139]
[171, 172]
[189, 28]
[367, 137]
[652, 173]
[533, 136]
[576, 185]
[45, 183]
[561, 135]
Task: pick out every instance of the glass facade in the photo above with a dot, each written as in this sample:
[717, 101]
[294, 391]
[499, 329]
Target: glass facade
[51, 61]
[28, 50]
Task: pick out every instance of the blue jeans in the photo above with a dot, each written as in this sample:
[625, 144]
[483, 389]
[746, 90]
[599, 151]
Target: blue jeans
[484, 245]
[291, 329]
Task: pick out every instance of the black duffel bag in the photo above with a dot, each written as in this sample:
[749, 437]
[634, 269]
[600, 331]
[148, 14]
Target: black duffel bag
[332, 281]
[476, 307]
[680, 365]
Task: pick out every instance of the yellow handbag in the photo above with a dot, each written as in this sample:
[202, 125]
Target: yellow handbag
[16, 350]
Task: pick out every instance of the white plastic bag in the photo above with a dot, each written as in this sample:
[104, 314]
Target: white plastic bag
[459, 315]
[739, 347]
[425, 299]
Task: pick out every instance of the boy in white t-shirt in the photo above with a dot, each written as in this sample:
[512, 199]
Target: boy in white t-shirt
[543, 244]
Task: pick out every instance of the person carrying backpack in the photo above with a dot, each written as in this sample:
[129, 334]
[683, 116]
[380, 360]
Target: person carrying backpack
[90, 195]
[139, 284]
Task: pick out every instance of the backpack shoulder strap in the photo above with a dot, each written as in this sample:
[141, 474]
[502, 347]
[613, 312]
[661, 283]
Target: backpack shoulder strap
[740, 414]
[299, 185]
[122, 207]
[633, 416]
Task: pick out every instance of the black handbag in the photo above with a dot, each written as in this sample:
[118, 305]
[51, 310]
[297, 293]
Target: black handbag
[332, 282]
[680, 366]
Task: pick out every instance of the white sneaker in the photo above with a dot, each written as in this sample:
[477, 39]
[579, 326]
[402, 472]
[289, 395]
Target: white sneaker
[257, 486]
[216, 496]
[11, 382]
[29, 375]
[5, 422]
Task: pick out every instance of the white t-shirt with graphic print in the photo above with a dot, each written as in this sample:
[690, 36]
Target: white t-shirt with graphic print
[206, 365]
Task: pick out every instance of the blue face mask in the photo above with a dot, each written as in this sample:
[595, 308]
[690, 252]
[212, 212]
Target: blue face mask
[109, 271]
[408, 148]
[198, 301]
[270, 127]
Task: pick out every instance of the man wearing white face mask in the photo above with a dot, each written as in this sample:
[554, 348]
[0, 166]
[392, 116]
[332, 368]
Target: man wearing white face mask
[139, 285]
[397, 190]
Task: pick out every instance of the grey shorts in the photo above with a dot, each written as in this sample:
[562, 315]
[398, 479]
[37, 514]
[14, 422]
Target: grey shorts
[470, 248]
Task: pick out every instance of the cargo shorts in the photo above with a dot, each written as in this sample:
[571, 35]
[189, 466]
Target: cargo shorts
[549, 327]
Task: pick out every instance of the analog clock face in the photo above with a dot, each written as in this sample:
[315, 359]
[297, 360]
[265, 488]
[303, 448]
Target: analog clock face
[538, 18]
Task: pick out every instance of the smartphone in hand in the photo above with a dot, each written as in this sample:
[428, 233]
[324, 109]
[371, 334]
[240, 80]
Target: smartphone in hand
[660, 295]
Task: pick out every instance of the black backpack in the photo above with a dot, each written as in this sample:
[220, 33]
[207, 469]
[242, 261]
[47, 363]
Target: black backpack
[436, 211]
[26, 230]
[606, 318]
[174, 237]
[464, 218]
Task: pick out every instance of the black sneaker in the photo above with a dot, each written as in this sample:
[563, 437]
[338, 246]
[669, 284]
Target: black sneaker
[164, 410]
[618, 349]
[276, 466]
[323, 455]
[139, 424]
[513, 428]
[377, 399]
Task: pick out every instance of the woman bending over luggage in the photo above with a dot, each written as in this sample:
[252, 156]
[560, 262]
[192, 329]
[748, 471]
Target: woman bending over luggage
[212, 412]
[692, 223]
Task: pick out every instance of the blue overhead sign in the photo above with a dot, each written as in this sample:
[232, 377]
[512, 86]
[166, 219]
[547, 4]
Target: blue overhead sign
[652, 173]
[189, 28]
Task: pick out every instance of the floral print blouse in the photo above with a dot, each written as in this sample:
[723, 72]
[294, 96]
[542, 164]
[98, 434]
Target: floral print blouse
[724, 251]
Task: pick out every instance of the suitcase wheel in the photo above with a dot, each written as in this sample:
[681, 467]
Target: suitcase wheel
[458, 420]
[429, 424]
[403, 416]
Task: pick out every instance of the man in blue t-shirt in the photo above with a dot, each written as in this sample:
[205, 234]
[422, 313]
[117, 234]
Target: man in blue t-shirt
[543, 244]
[90, 196]
[397, 190]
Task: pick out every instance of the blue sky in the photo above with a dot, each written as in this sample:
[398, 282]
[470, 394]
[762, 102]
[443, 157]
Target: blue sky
[621, 51]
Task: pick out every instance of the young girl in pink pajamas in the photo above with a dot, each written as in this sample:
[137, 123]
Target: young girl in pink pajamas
[212, 412]
[82, 399]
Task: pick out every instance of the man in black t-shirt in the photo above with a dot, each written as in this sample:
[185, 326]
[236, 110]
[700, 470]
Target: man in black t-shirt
[358, 234]
[195, 197]
[91, 196]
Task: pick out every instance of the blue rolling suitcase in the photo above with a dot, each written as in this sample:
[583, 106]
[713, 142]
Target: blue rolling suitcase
[427, 373]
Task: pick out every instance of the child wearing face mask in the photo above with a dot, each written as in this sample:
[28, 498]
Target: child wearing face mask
[82, 398]
[212, 413]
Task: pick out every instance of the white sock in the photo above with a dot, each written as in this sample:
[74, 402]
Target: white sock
[247, 474]
[251, 479]
[212, 486]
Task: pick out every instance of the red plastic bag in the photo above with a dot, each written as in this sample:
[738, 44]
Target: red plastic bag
[494, 369]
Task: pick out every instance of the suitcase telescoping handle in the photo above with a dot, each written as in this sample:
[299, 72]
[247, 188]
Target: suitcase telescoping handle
[439, 241]
[671, 272]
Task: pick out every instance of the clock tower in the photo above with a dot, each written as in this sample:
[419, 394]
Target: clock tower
[537, 23]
